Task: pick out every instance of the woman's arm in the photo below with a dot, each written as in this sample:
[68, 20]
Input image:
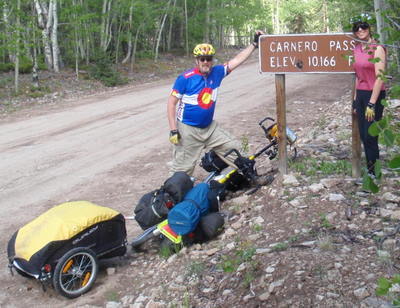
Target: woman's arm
[379, 71]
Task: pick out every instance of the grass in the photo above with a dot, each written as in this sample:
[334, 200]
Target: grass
[324, 222]
[112, 296]
[257, 228]
[280, 246]
[195, 269]
[325, 243]
[312, 167]
[244, 252]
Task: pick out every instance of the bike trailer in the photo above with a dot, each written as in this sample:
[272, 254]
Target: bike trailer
[64, 243]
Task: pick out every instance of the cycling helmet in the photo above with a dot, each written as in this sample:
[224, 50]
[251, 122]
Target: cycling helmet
[203, 50]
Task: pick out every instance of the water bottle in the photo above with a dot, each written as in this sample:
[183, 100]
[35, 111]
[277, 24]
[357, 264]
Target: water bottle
[290, 136]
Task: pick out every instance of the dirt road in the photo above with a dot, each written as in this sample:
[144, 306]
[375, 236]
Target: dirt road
[109, 149]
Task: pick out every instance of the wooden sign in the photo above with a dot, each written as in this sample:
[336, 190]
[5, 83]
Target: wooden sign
[306, 53]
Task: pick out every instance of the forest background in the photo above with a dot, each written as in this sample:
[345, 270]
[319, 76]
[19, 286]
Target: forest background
[105, 40]
[98, 35]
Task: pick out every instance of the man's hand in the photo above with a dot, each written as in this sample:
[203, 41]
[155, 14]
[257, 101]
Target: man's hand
[370, 112]
[256, 38]
[174, 136]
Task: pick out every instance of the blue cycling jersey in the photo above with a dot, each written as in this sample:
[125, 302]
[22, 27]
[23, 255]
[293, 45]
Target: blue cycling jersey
[198, 95]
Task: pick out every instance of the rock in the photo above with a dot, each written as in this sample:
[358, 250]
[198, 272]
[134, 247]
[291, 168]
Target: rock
[113, 305]
[241, 267]
[230, 246]
[385, 213]
[229, 232]
[226, 292]
[309, 244]
[361, 293]
[240, 200]
[211, 252]
[372, 302]
[172, 258]
[127, 300]
[389, 244]
[295, 203]
[332, 295]
[270, 269]
[316, 187]
[153, 304]
[258, 220]
[261, 251]
[388, 196]
[248, 297]
[264, 297]
[141, 299]
[395, 215]
[336, 197]
[207, 290]
[330, 182]
[289, 180]
[275, 285]
[331, 217]
[111, 271]
[383, 254]
[254, 237]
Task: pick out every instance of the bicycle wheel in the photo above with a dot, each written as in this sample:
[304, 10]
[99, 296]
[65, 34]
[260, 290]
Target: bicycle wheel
[76, 272]
[292, 152]
[144, 237]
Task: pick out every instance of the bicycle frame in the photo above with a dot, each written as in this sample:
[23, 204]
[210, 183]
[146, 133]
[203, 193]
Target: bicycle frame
[163, 228]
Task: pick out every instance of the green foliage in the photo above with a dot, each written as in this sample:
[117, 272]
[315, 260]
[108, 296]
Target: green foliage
[6, 67]
[324, 222]
[102, 69]
[244, 253]
[195, 269]
[384, 289]
[280, 246]
[312, 167]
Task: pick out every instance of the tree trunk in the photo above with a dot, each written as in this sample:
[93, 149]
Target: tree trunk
[206, 37]
[42, 17]
[186, 30]
[35, 76]
[54, 35]
[17, 34]
[105, 35]
[379, 6]
[325, 16]
[129, 51]
[160, 31]
[171, 23]
[135, 46]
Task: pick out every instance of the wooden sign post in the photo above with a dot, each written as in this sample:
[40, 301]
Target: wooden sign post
[306, 53]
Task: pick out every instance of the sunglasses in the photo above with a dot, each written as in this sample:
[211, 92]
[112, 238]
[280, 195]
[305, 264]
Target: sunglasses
[363, 26]
[205, 59]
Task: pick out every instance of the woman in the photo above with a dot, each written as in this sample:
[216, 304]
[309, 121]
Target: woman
[370, 89]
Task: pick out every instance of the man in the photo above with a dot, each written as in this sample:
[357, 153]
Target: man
[191, 123]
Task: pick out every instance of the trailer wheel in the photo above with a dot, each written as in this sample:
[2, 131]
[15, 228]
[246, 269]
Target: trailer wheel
[75, 272]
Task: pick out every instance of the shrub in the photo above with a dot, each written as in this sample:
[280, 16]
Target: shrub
[102, 69]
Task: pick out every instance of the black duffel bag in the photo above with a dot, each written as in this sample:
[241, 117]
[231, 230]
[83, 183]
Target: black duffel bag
[212, 225]
[212, 162]
[178, 185]
[154, 206]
